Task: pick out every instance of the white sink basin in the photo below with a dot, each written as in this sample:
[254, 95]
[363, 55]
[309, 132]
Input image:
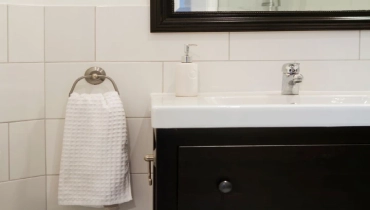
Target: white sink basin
[283, 100]
[263, 109]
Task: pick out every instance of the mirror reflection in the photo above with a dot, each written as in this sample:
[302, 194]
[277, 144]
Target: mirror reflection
[270, 5]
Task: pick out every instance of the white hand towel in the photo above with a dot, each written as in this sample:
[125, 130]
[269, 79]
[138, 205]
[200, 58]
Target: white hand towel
[94, 165]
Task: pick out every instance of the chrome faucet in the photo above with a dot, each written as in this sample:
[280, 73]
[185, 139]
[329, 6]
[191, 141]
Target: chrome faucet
[291, 79]
[270, 5]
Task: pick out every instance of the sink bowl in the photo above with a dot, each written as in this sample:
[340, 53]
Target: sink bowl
[261, 109]
[283, 100]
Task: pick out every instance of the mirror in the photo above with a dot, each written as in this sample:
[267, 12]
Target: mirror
[269, 5]
[258, 15]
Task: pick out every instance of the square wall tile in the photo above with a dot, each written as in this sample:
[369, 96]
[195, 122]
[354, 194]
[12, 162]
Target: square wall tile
[23, 194]
[27, 149]
[26, 34]
[54, 144]
[69, 34]
[142, 195]
[365, 45]
[295, 45]
[121, 39]
[136, 81]
[141, 143]
[335, 75]
[22, 87]
[232, 76]
[4, 153]
[3, 33]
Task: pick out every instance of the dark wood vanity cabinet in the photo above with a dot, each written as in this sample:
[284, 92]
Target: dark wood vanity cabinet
[262, 169]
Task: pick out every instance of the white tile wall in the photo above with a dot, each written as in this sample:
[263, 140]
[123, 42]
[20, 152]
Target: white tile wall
[3, 33]
[121, 39]
[141, 143]
[26, 34]
[295, 45]
[22, 87]
[27, 149]
[25, 194]
[339, 75]
[365, 44]
[69, 34]
[54, 142]
[4, 154]
[79, 2]
[135, 82]
[231, 76]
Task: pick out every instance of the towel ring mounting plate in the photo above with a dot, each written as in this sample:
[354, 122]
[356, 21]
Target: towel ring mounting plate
[95, 75]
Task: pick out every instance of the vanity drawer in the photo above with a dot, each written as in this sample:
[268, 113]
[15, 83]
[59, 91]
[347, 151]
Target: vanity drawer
[263, 177]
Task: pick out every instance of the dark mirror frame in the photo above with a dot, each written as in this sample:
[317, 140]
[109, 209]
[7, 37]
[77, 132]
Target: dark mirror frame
[164, 19]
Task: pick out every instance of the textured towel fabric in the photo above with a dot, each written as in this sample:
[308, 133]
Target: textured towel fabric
[94, 166]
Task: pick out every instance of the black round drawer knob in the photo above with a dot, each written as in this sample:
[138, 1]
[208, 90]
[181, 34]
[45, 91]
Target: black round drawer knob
[225, 187]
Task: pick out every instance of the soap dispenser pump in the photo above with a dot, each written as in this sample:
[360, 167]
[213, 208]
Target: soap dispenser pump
[186, 79]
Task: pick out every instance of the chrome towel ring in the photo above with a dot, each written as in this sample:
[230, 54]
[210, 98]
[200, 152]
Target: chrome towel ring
[94, 76]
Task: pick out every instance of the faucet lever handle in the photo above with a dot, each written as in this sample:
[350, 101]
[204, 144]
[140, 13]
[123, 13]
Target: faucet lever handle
[291, 68]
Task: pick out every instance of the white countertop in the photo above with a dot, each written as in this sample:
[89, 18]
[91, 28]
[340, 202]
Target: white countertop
[261, 109]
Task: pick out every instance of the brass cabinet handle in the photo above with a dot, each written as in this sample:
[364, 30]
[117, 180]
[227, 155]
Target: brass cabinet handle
[149, 159]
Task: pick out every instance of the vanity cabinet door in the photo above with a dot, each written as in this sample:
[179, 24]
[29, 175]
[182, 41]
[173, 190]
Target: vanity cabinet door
[301, 177]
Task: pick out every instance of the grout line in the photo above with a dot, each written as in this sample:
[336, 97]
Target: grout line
[45, 144]
[54, 118]
[138, 117]
[203, 61]
[100, 61]
[229, 45]
[31, 177]
[16, 121]
[45, 141]
[44, 34]
[22, 62]
[45, 119]
[130, 173]
[199, 61]
[8, 151]
[7, 33]
[126, 118]
[162, 77]
[359, 47]
[95, 35]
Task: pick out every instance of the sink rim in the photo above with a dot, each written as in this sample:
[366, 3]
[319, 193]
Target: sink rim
[169, 100]
[181, 113]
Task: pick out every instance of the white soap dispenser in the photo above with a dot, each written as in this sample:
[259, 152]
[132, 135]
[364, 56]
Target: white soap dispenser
[186, 79]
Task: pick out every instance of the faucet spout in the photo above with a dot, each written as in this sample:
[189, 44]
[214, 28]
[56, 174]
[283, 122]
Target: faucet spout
[291, 79]
[298, 78]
